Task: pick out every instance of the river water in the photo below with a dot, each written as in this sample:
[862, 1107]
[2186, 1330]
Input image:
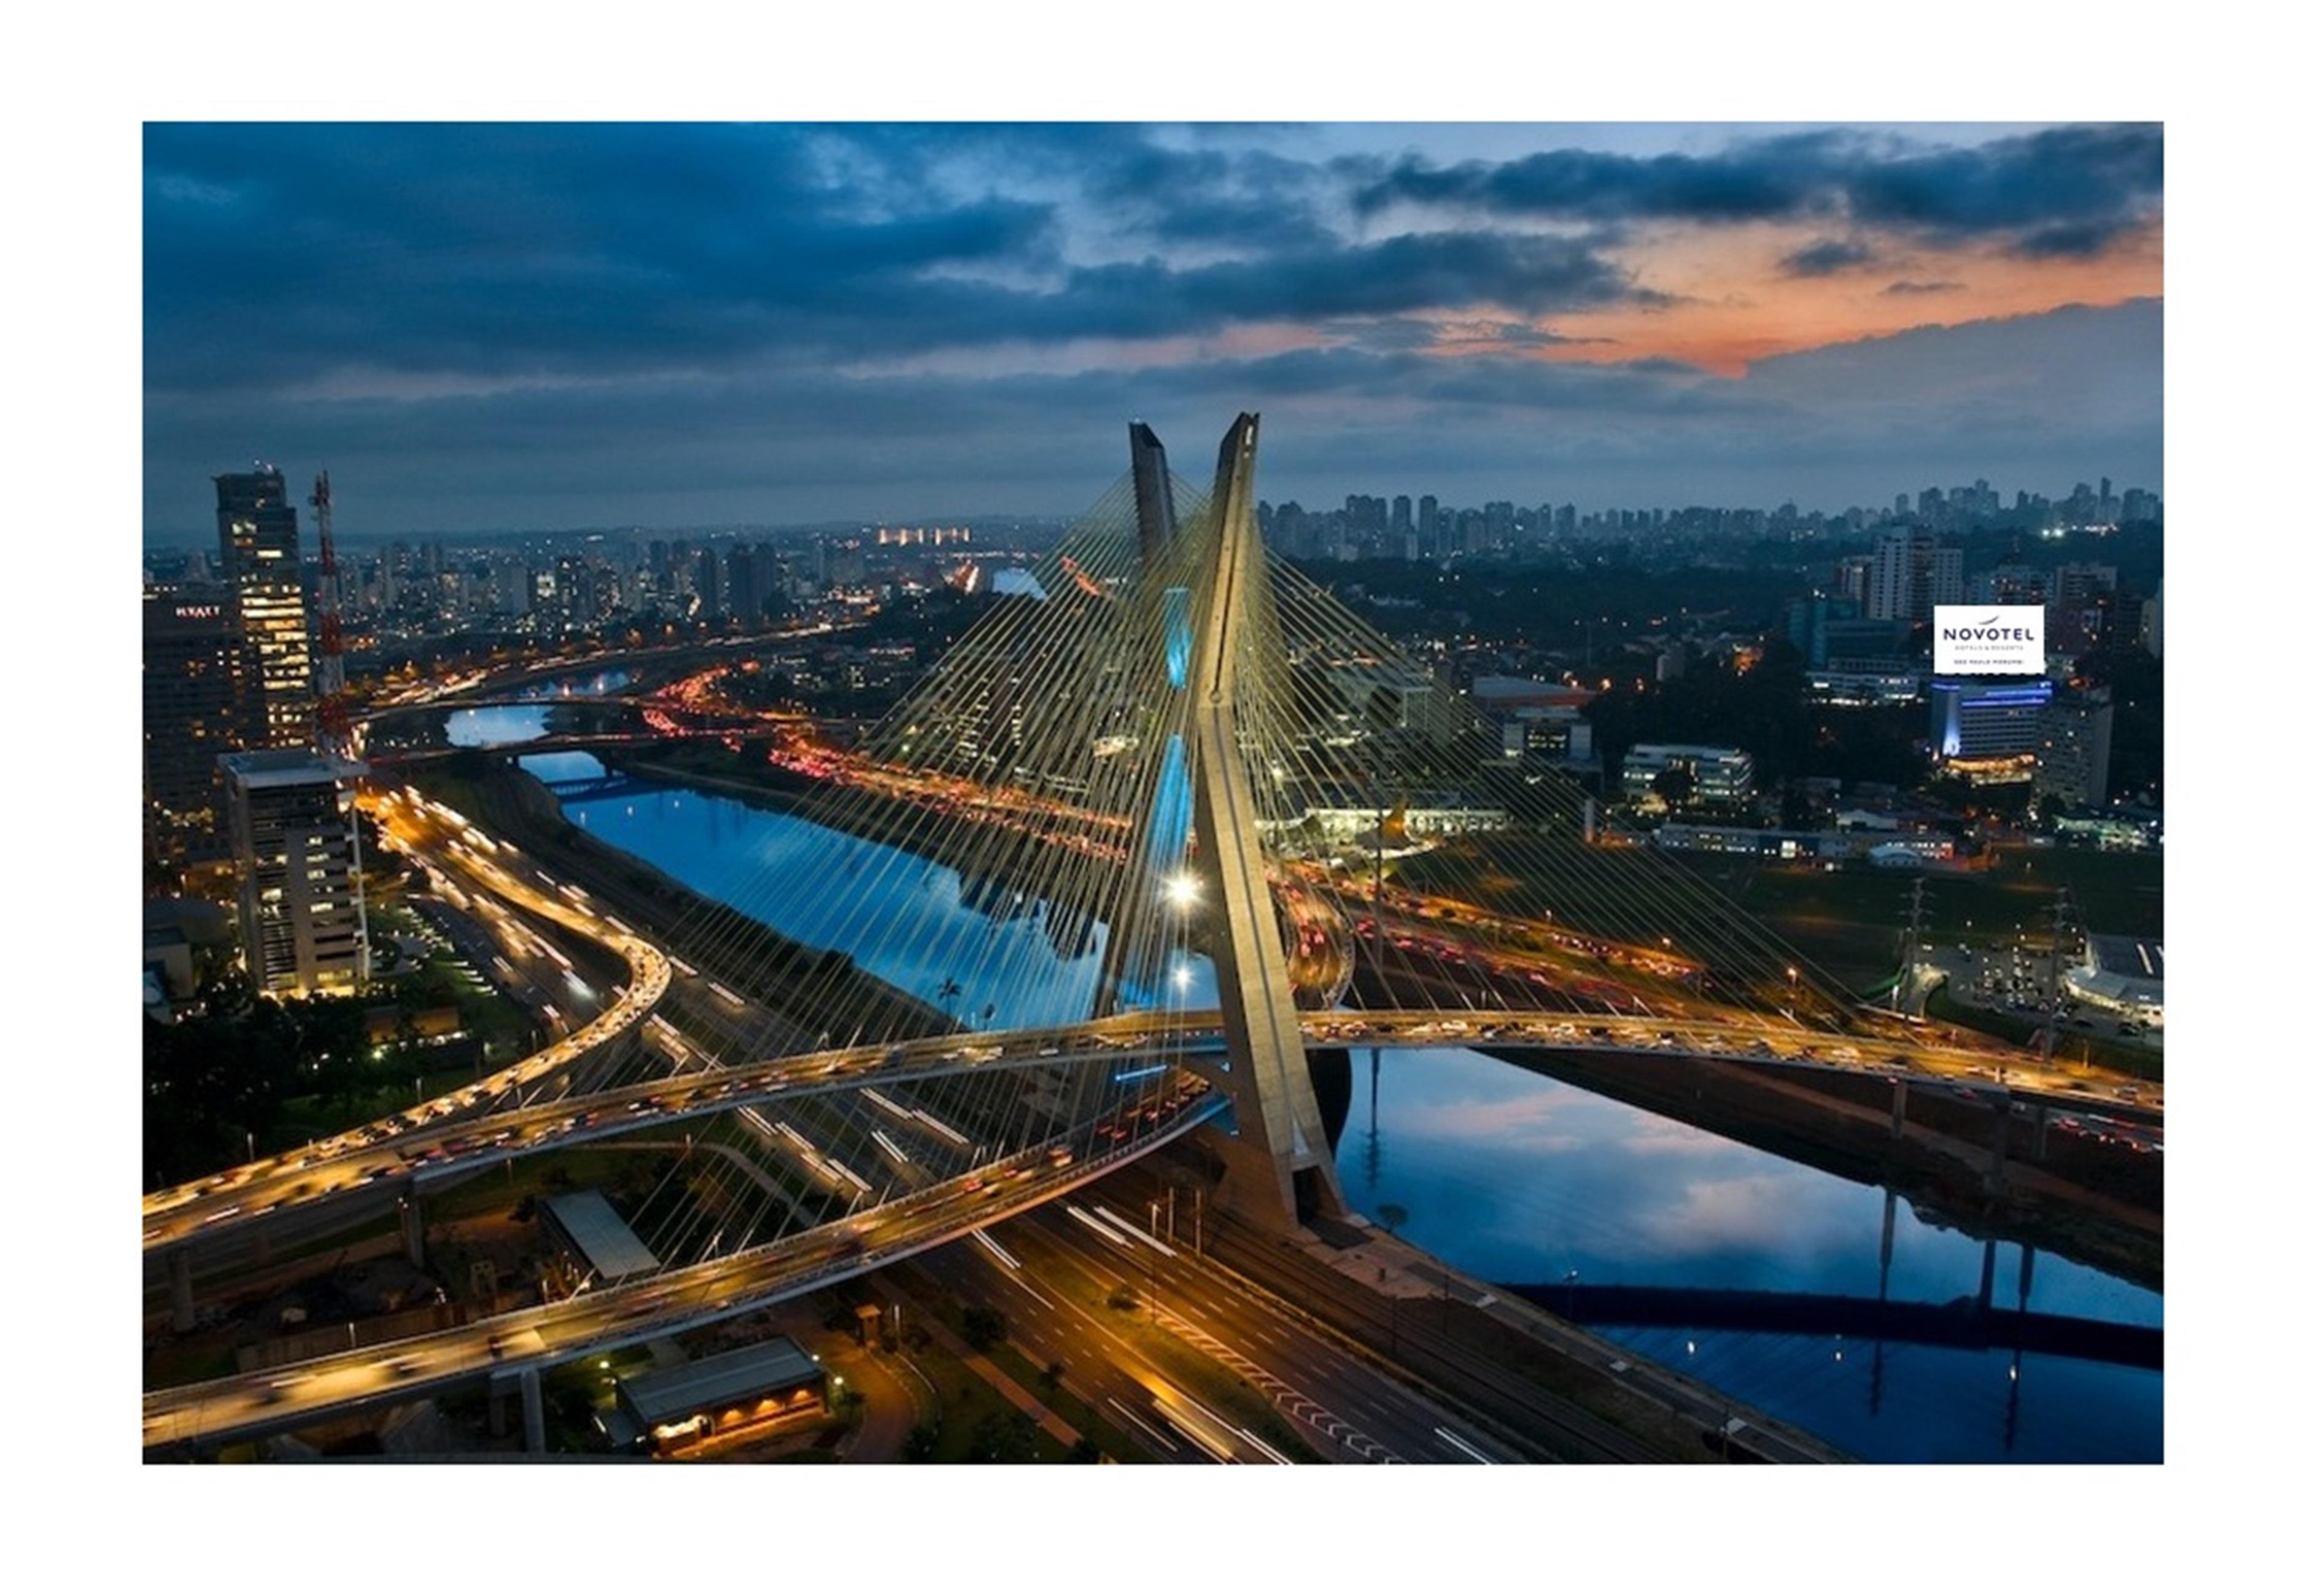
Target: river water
[1505, 1173]
[992, 958]
[504, 725]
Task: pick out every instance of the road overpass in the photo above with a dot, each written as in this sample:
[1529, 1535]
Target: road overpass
[521, 1344]
[428, 1147]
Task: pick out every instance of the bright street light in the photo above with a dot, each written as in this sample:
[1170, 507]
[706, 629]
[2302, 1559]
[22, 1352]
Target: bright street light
[1180, 890]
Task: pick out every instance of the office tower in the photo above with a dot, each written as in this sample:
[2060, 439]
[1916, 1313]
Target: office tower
[743, 595]
[2075, 749]
[1910, 573]
[707, 581]
[257, 542]
[291, 815]
[199, 689]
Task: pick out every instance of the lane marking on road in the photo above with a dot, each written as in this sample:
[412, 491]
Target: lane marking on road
[1451, 1440]
[1141, 1425]
[1295, 1404]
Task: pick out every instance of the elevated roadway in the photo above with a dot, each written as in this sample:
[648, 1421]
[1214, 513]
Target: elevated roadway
[600, 1320]
[426, 1148]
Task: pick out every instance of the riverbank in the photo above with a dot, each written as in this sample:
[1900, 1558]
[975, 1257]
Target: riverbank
[810, 991]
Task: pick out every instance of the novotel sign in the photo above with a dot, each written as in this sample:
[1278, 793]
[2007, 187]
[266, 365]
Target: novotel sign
[1971, 640]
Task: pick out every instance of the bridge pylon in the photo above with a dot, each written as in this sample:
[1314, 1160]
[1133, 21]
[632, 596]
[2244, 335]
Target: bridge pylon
[1280, 1166]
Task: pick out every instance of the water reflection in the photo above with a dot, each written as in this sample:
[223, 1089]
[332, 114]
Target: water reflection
[1508, 1174]
[1523, 1179]
[990, 956]
[495, 727]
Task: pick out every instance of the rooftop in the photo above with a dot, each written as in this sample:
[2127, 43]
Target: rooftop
[288, 768]
[666, 1395]
[610, 1247]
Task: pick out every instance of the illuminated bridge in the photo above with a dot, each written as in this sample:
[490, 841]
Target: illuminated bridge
[1134, 778]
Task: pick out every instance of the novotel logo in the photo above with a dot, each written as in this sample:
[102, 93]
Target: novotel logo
[2002, 643]
[1989, 630]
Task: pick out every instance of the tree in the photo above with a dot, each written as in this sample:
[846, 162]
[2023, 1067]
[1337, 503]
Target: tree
[1674, 785]
[1002, 1438]
[983, 1327]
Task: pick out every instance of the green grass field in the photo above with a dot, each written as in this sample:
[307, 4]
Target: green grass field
[1850, 922]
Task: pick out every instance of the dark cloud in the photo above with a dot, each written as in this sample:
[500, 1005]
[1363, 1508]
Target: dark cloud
[603, 325]
[274, 254]
[1827, 257]
[2036, 185]
[1906, 286]
[2037, 401]
[2075, 240]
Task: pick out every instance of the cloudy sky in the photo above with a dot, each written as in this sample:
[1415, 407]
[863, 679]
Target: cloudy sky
[530, 327]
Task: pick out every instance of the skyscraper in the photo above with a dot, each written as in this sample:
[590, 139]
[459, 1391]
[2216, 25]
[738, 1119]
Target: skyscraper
[2075, 749]
[256, 543]
[740, 577]
[199, 691]
[302, 920]
[1910, 574]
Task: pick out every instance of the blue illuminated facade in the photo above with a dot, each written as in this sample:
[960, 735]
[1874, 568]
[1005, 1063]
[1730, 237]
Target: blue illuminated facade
[1987, 717]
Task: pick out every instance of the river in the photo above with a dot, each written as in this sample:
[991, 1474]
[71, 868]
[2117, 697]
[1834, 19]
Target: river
[1503, 1172]
[505, 726]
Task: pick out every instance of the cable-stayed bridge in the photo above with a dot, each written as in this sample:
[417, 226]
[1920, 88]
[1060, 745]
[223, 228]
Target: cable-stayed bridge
[1148, 832]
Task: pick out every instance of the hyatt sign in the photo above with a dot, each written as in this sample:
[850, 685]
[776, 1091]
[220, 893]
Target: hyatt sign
[1982, 640]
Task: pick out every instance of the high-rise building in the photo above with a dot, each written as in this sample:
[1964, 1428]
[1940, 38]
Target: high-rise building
[302, 921]
[2075, 749]
[1910, 573]
[199, 689]
[707, 581]
[739, 570]
[256, 540]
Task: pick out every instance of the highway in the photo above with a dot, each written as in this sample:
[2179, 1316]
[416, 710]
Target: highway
[597, 1321]
[431, 1143]
[172, 1212]
[1063, 1260]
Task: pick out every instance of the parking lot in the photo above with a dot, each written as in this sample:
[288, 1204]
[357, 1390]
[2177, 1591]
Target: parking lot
[2012, 980]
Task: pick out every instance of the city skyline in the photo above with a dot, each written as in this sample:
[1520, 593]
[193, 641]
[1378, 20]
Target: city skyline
[522, 328]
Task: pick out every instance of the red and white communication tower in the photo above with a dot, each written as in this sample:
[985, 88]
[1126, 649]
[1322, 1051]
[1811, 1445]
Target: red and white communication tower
[329, 675]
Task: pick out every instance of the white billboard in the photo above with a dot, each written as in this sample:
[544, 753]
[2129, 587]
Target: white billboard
[1987, 640]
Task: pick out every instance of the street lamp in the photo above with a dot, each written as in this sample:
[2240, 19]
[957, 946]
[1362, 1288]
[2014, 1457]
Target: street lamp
[1180, 891]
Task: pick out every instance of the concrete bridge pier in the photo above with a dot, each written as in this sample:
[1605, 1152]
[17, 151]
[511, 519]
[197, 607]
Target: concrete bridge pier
[180, 1290]
[2039, 1132]
[1990, 1273]
[413, 1228]
[2002, 1109]
[1902, 1097]
[533, 1413]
